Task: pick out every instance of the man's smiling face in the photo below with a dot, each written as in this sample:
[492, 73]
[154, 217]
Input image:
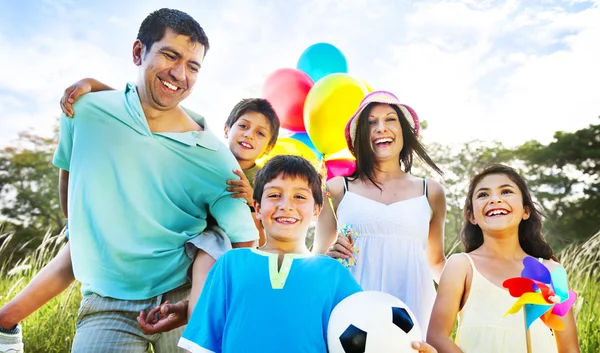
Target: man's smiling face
[168, 69]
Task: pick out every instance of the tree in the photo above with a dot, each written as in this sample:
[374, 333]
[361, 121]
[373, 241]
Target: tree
[565, 178]
[29, 202]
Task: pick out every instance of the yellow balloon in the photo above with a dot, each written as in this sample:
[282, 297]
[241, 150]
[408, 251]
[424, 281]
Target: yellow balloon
[343, 154]
[369, 87]
[288, 145]
[329, 105]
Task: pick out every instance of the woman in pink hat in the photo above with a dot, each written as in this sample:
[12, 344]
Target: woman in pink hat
[398, 218]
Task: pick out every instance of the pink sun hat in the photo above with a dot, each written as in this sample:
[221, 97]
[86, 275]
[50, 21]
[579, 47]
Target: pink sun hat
[380, 97]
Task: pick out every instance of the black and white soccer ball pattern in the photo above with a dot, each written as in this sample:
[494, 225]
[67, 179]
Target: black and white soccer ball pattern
[372, 322]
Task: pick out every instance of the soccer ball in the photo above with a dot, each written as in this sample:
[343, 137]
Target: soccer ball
[372, 322]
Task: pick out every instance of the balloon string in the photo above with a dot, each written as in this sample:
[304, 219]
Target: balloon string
[332, 209]
[323, 173]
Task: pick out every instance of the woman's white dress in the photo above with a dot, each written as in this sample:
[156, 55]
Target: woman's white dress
[392, 240]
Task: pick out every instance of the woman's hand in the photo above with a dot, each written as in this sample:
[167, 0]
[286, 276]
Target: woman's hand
[341, 248]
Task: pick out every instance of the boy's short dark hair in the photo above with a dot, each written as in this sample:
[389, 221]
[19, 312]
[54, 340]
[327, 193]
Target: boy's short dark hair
[289, 167]
[256, 105]
[155, 24]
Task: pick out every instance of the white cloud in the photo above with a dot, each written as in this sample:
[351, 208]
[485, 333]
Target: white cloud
[503, 70]
[43, 67]
[240, 57]
[554, 92]
[484, 87]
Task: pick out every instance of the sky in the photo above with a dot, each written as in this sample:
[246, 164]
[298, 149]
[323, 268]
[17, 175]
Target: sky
[508, 71]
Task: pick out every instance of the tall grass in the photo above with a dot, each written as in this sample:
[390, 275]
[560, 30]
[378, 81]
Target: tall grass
[51, 329]
[582, 263]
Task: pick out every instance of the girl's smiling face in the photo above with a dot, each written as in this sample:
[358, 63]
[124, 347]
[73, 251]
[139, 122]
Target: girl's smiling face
[498, 204]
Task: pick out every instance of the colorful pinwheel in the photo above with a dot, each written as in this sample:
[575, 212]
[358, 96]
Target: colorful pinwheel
[542, 293]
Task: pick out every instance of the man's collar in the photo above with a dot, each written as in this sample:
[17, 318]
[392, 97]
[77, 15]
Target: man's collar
[205, 138]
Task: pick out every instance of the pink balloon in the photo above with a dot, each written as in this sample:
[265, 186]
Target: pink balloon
[340, 167]
[286, 90]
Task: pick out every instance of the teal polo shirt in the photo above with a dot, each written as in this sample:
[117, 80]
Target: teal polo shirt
[136, 197]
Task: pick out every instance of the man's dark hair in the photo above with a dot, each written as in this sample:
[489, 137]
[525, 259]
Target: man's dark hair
[289, 167]
[155, 24]
[256, 105]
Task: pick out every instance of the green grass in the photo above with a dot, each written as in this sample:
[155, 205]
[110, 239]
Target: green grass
[51, 329]
[582, 263]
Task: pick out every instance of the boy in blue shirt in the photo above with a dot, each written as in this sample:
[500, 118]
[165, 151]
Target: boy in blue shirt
[297, 290]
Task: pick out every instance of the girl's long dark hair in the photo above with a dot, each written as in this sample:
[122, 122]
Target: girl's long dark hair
[531, 238]
[365, 161]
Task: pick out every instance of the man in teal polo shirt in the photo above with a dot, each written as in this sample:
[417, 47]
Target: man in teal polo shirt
[139, 195]
[140, 174]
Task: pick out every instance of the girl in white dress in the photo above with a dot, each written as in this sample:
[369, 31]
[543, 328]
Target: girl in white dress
[398, 218]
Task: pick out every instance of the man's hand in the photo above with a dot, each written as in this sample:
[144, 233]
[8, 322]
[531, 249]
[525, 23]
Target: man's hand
[164, 317]
[241, 188]
[423, 347]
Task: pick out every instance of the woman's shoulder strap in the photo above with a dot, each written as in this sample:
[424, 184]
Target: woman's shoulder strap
[470, 260]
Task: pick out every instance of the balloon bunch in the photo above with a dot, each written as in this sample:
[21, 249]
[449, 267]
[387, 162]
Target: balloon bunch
[314, 102]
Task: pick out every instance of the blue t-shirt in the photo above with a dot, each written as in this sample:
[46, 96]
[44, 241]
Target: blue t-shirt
[248, 305]
[136, 197]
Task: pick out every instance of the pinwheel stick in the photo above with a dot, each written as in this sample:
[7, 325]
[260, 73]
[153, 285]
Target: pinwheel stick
[542, 295]
[527, 333]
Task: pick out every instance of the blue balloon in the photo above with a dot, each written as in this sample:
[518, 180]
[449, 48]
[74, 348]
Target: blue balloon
[322, 59]
[305, 139]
